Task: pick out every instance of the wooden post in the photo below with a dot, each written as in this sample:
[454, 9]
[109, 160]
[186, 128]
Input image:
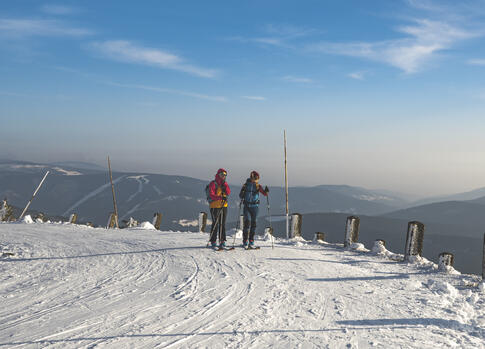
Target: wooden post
[112, 221]
[351, 230]
[157, 220]
[379, 246]
[6, 212]
[268, 230]
[319, 236]
[295, 228]
[33, 196]
[40, 216]
[286, 190]
[113, 191]
[483, 259]
[132, 222]
[381, 242]
[414, 240]
[73, 218]
[202, 221]
[241, 223]
[446, 259]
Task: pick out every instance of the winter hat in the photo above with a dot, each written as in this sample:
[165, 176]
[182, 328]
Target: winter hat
[254, 175]
[221, 170]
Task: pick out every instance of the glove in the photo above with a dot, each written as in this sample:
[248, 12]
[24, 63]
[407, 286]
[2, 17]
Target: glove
[266, 189]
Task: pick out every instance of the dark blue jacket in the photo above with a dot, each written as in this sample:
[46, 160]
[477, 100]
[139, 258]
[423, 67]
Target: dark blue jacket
[250, 193]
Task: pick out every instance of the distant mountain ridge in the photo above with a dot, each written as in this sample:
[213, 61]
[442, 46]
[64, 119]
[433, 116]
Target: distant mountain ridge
[86, 191]
[466, 196]
[457, 213]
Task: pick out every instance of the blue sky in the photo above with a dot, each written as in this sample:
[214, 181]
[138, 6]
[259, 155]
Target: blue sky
[380, 94]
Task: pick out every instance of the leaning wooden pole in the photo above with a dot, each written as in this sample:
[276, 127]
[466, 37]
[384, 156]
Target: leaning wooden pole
[286, 191]
[33, 195]
[113, 191]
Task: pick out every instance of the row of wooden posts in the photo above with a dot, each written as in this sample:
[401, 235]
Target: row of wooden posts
[414, 237]
[157, 221]
[413, 246]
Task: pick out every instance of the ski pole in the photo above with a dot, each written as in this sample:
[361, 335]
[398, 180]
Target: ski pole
[218, 221]
[214, 225]
[270, 225]
[238, 224]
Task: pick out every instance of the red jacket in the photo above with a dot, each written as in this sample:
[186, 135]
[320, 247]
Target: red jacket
[215, 192]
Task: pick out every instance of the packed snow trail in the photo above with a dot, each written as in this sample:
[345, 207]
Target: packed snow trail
[71, 286]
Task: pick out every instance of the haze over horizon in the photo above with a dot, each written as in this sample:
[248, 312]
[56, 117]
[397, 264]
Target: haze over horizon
[381, 95]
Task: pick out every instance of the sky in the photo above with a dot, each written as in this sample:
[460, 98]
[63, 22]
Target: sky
[378, 94]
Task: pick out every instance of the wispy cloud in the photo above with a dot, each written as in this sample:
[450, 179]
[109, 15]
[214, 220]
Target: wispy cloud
[297, 79]
[478, 61]
[54, 9]
[450, 10]
[168, 90]
[126, 51]
[288, 31]
[101, 80]
[254, 98]
[424, 38]
[359, 75]
[279, 35]
[264, 40]
[24, 28]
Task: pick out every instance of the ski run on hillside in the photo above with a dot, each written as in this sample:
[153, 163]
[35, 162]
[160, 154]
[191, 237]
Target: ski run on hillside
[71, 286]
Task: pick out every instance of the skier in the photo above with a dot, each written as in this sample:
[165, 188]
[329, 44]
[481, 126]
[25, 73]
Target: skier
[250, 196]
[219, 191]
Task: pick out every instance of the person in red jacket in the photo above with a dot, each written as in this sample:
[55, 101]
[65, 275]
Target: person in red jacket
[218, 192]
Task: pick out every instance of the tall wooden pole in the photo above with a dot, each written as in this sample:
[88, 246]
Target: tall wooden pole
[33, 195]
[113, 191]
[286, 191]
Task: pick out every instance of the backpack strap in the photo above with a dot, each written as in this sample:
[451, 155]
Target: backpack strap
[243, 191]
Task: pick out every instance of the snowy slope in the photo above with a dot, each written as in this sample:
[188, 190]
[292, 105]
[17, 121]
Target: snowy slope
[71, 286]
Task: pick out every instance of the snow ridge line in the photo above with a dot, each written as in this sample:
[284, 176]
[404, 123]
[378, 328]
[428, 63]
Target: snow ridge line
[91, 194]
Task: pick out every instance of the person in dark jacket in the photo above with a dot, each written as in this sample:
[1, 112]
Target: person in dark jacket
[219, 191]
[250, 196]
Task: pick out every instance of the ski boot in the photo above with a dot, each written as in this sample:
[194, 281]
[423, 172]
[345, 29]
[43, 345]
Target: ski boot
[251, 245]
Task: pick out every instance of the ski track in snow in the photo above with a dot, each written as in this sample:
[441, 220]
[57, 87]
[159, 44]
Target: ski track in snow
[141, 180]
[91, 194]
[82, 287]
[133, 209]
[159, 192]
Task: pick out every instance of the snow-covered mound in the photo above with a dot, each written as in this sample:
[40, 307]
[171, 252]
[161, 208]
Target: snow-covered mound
[68, 286]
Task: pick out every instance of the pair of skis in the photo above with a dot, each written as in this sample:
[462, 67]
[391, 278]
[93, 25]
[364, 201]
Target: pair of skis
[233, 248]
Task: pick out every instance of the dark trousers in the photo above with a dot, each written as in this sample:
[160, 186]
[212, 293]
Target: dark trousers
[218, 228]
[250, 214]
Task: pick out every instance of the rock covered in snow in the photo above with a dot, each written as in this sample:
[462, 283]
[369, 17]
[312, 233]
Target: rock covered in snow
[147, 226]
[357, 246]
[28, 219]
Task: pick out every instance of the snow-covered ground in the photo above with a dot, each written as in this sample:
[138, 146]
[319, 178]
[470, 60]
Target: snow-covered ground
[69, 286]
